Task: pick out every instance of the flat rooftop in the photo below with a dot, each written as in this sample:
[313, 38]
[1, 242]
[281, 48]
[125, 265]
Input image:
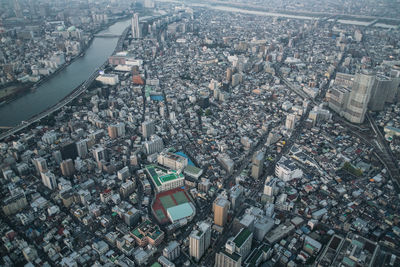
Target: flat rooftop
[161, 175]
[241, 237]
[181, 211]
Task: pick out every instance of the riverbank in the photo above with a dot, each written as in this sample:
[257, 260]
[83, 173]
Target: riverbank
[66, 100]
[20, 89]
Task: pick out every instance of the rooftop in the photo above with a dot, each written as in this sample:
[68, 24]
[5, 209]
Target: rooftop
[161, 175]
[180, 211]
[241, 237]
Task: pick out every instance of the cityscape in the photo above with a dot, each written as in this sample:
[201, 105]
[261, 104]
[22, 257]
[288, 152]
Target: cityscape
[200, 133]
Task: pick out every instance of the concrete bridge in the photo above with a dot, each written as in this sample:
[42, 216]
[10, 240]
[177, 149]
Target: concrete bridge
[106, 35]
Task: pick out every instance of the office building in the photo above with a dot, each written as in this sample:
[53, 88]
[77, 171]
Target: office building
[136, 31]
[220, 208]
[257, 166]
[383, 91]
[148, 129]
[199, 240]
[67, 167]
[359, 97]
[236, 195]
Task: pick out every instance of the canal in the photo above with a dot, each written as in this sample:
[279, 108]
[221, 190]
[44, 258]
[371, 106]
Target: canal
[64, 82]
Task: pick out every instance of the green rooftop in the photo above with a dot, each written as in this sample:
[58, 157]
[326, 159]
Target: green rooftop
[136, 233]
[159, 179]
[192, 169]
[233, 256]
[241, 237]
[156, 264]
[348, 261]
[255, 257]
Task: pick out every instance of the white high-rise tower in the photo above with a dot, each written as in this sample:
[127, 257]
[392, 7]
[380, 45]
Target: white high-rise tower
[136, 32]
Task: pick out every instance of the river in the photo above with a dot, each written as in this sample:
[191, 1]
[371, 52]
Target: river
[64, 82]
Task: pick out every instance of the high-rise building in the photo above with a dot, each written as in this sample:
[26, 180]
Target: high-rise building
[49, 180]
[116, 130]
[15, 202]
[99, 153]
[228, 74]
[57, 156]
[338, 98]
[270, 186]
[68, 150]
[148, 129]
[112, 132]
[236, 79]
[155, 144]
[172, 251]
[67, 167]
[127, 188]
[258, 163]
[136, 31]
[236, 250]
[220, 207]
[236, 193]
[81, 147]
[382, 92]
[123, 173]
[40, 164]
[199, 240]
[359, 97]
[290, 121]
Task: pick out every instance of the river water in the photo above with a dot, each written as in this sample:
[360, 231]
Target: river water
[64, 82]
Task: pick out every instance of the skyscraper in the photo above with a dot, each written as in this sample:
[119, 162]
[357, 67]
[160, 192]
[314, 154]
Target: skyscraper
[257, 167]
[136, 32]
[383, 90]
[199, 240]
[359, 97]
[220, 207]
